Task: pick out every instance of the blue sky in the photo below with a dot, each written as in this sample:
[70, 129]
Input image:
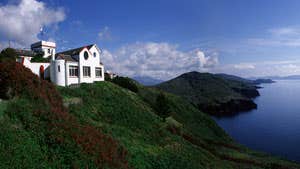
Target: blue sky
[164, 38]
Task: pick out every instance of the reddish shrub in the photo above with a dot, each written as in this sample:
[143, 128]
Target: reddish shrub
[16, 80]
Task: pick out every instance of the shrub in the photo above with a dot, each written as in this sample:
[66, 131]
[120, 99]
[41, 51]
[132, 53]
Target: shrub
[126, 82]
[48, 117]
[8, 54]
[162, 105]
[39, 58]
[107, 77]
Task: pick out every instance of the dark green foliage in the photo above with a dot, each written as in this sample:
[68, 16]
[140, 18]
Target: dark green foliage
[190, 139]
[8, 54]
[162, 106]
[56, 136]
[125, 82]
[36, 131]
[39, 58]
[107, 77]
[214, 94]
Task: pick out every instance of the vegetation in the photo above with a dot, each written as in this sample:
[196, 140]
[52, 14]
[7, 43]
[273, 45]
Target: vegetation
[39, 58]
[8, 54]
[214, 94]
[126, 83]
[162, 106]
[187, 139]
[108, 126]
[38, 132]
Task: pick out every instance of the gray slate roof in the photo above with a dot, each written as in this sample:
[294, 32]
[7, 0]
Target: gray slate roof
[22, 52]
[66, 57]
[76, 51]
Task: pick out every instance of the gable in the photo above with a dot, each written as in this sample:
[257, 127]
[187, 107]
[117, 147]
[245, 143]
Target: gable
[75, 51]
[96, 52]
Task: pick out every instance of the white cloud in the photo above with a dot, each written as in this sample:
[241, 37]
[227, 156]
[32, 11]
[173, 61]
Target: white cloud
[207, 61]
[260, 69]
[284, 31]
[165, 61]
[284, 36]
[105, 34]
[157, 60]
[244, 66]
[21, 22]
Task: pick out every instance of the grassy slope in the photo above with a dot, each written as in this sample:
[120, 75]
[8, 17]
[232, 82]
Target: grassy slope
[129, 118]
[208, 91]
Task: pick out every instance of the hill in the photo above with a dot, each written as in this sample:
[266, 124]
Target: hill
[147, 81]
[187, 139]
[215, 94]
[260, 81]
[103, 125]
[234, 78]
[253, 81]
[291, 77]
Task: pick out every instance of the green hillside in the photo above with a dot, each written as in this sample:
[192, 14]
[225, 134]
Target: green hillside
[103, 125]
[215, 94]
[187, 139]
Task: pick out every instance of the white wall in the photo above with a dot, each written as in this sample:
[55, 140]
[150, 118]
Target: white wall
[62, 77]
[35, 67]
[44, 46]
[58, 75]
[92, 62]
[71, 80]
[97, 61]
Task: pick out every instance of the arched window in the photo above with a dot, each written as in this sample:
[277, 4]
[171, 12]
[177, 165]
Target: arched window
[95, 54]
[86, 55]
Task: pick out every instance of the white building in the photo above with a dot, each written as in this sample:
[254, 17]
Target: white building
[80, 65]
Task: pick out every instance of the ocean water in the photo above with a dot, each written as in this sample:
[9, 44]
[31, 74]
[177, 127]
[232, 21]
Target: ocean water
[274, 127]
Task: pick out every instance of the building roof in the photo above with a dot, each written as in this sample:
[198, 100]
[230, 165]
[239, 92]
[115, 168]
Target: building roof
[23, 52]
[76, 51]
[66, 57]
[43, 43]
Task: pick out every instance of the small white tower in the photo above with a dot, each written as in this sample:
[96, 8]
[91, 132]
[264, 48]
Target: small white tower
[48, 48]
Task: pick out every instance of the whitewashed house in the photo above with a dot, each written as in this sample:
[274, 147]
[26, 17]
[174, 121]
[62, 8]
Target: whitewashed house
[75, 66]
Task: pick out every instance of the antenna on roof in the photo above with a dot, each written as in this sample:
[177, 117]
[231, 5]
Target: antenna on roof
[9, 44]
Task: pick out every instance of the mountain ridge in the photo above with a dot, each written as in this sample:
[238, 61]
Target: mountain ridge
[216, 94]
[110, 125]
[147, 80]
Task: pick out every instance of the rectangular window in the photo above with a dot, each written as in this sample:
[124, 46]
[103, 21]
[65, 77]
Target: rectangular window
[73, 71]
[86, 71]
[98, 72]
[58, 68]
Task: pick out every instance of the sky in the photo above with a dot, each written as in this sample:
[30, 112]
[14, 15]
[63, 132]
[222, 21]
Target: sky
[165, 38]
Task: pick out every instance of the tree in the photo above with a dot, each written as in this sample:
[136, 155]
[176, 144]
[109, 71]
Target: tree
[8, 54]
[126, 83]
[162, 106]
[39, 58]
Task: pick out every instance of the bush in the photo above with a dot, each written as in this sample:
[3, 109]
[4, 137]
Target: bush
[162, 106]
[39, 58]
[8, 54]
[107, 77]
[47, 117]
[126, 82]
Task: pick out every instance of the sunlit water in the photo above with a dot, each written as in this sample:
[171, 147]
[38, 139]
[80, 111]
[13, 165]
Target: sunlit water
[275, 126]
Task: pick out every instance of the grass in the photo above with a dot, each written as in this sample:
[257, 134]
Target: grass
[131, 118]
[36, 131]
[211, 93]
[103, 125]
[2, 107]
